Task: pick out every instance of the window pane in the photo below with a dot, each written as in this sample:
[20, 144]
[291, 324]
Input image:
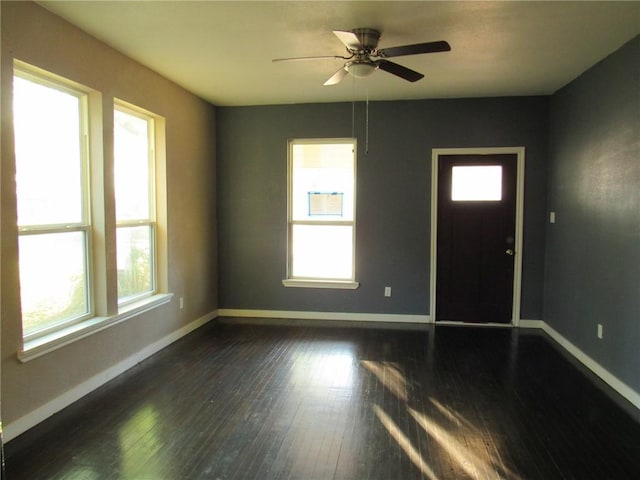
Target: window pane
[48, 148]
[322, 251]
[135, 254]
[53, 279]
[322, 175]
[476, 183]
[131, 166]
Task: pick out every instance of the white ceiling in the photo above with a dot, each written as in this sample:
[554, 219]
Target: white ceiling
[222, 50]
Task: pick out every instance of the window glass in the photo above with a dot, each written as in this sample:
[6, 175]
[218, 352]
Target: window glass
[135, 260]
[52, 279]
[131, 166]
[476, 183]
[322, 251]
[322, 209]
[133, 177]
[51, 201]
[48, 147]
[321, 170]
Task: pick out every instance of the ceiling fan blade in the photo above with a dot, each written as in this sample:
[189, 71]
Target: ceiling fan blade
[299, 59]
[350, 39]
[399, 70]
[337, 77]
[429, 47]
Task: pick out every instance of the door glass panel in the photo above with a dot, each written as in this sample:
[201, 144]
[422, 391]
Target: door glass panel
[476, 183]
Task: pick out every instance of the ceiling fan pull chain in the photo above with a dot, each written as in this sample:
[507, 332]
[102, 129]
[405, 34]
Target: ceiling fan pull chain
[353, 108]
[366, 133]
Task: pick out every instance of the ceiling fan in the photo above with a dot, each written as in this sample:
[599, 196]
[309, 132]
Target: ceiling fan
[364, 56]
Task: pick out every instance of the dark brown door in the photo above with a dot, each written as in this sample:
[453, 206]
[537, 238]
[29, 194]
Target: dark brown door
[476, 237]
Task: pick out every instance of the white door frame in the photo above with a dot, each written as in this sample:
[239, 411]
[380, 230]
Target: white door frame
[517, 267]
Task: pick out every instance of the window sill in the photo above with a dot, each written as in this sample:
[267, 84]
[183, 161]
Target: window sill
[337, 284]
[48, 343]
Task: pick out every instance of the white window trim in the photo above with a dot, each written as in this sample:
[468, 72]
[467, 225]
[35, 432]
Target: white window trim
[105, 311]
[44, 344]
[86, 229]
[329, 283]
[82, 93]
[337, 284]
[151, 120]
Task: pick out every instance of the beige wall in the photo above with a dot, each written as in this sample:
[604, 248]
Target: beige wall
[34, 35]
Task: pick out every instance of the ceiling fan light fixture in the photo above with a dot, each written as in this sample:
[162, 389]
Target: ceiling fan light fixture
[364, 57]
[361, 69]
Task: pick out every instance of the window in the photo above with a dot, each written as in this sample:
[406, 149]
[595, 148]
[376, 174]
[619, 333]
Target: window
[322, 213]
[50, 125]
[72, 253]
[476, 183]
[135, 202]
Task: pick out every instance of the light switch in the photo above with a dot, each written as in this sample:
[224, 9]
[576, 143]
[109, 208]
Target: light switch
[552, 217]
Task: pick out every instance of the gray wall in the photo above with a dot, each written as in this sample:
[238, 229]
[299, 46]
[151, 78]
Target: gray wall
[393, 198]
[593, 251]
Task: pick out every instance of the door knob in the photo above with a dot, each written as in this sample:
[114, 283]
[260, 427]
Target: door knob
[510, 252]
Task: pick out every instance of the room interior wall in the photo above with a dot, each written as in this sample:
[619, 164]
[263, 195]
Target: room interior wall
[594, 149]
[393, 196]
[32, 34]
[593, 250]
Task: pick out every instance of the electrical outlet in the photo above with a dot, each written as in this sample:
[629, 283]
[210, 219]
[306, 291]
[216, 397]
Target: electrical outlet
[600, 331]
[387, 291]
[181, 303]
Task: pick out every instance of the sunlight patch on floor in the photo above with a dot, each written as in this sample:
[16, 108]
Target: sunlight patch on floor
[390, 376]
[140, 438]
[404, 442]
[475, 463]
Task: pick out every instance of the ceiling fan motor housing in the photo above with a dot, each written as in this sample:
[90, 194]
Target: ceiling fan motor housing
[368, 38]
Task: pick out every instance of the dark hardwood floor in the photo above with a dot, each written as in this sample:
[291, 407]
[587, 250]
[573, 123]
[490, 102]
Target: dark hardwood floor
[280, 402]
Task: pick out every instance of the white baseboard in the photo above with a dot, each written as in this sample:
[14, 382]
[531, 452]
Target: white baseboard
[28, 421]
[36, 416]
[610, 379]
[614, 382]
[354, 317]
[452, 323]
[530, 323]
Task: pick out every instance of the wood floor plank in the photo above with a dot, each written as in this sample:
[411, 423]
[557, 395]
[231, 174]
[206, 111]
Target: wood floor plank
[233, 401]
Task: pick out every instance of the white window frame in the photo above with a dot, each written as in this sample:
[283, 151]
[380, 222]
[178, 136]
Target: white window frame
[150, 118]
[100, 225]
[81, 93]
[306, 282]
